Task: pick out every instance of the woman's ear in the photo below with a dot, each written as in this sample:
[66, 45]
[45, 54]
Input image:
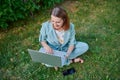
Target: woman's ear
[63, 22]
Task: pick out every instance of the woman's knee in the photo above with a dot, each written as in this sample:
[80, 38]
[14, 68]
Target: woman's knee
[82, 45]
[86, 46]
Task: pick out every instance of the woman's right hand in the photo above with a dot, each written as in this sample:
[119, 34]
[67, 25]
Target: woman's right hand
[48, 49]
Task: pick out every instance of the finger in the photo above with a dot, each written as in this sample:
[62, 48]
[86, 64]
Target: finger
[51, 51]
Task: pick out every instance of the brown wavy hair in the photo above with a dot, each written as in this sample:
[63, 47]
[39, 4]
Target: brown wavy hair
[61, 13]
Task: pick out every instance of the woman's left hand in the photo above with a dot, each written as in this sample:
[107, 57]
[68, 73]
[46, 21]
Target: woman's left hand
[66, 56]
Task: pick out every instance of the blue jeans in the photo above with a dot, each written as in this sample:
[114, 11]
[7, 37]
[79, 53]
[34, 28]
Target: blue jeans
[80, 48]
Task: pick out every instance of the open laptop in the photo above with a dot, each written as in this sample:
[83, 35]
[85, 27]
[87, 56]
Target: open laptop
[55, 59]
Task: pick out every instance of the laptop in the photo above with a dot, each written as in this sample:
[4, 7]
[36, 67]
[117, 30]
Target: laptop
[56, 59]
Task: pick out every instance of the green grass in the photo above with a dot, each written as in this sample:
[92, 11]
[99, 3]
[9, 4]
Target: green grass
[97, 22]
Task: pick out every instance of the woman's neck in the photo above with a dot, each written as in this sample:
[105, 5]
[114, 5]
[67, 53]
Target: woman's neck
[60, 29]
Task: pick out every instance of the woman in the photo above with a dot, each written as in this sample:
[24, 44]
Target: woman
[59, 34]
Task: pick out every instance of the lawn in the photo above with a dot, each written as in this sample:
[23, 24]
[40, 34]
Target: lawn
[97, 22]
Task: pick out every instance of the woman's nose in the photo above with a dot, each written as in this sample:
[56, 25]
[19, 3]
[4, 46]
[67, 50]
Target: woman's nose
[54, 24]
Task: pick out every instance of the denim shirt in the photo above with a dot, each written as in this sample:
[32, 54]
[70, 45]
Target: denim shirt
[47, 34]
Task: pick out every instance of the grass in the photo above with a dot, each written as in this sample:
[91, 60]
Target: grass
[97, 22]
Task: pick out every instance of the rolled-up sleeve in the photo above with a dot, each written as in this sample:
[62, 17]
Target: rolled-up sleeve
[43, 36]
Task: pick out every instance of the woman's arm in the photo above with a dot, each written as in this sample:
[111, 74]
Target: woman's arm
[47, 48]
[43, 37]
[72, 40]
[70, 49]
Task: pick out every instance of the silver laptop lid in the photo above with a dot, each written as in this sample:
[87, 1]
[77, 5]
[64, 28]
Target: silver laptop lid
[45, 58]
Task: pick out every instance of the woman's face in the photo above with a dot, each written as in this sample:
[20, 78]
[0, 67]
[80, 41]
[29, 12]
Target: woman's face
[57, 22]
